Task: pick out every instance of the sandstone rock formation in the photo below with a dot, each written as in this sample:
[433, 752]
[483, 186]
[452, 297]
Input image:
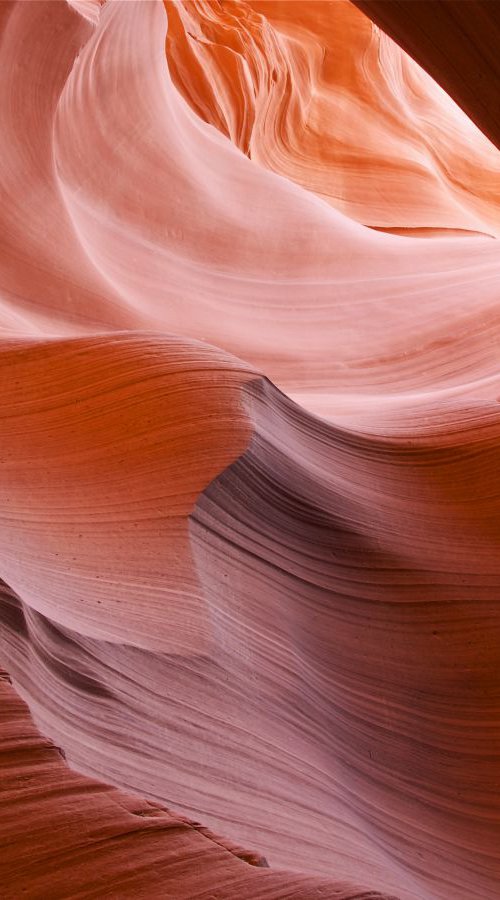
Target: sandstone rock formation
[249, 456]
[456, 42]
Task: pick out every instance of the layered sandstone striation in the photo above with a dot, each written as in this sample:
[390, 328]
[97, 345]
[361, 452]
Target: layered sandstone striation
[249, 455]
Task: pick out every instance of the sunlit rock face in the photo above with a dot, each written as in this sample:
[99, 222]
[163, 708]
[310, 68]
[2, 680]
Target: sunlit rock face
[249, 457]
[318, 94]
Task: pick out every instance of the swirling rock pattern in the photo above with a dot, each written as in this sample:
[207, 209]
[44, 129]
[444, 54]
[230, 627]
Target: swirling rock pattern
[315, 92]
[456, 42]
[87, 839]
[249, 454]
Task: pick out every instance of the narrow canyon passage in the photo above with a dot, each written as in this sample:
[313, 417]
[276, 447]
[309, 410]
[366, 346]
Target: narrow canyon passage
[249, 451]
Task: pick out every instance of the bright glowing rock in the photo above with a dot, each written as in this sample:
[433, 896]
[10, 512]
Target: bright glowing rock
[248, 457]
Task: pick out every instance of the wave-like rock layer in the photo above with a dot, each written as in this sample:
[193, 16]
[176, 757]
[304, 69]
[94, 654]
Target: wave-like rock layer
[249, 457]
[314, 92]
[457, 43]
[87, 839]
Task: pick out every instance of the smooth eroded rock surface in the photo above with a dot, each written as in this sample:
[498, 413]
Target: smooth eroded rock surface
[249, 454]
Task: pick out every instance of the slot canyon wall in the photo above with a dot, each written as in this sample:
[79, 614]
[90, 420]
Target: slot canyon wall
[250, 450]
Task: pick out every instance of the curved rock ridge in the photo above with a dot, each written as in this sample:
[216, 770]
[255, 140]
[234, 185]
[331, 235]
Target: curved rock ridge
[106, 444]
[89, 9]
[253, 276]
[351, 665]
[456, 43]
[248, 458]
[316, 92]
[154, 209]
[64, 835]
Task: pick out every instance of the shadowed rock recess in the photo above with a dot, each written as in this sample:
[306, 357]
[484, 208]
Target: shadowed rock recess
[249, 450]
